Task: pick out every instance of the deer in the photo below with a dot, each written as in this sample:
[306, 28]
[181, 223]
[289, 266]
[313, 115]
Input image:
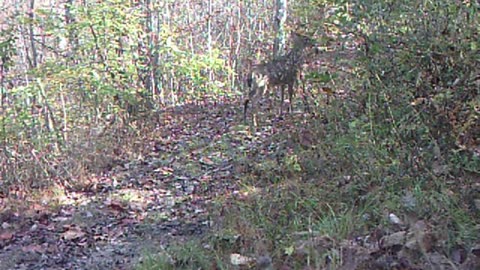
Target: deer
[280, 71]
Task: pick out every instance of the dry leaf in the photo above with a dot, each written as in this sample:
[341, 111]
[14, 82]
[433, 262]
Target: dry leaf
[237, 259]
[327, 90]
[165, 171]
[6, 235]
[115, 205]
[394, 219]
[33, 248]
[394, 239]
[73, 233]
[206, 161]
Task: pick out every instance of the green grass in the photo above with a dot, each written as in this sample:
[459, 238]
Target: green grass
[189, 255]
[342, 187]
[395, 143]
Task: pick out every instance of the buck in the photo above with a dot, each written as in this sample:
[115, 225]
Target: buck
[281, 71]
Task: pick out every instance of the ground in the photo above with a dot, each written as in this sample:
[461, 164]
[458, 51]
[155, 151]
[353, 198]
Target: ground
[133, 207]
[163, 192]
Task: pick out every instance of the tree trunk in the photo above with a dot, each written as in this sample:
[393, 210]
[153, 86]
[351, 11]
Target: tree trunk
[279, 22]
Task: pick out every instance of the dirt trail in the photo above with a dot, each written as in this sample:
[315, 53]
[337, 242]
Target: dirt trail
[137, 206]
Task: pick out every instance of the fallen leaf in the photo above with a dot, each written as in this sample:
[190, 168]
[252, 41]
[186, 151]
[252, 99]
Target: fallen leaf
[206, 161]
[327, 90]
[289, 250]
[237, 259]
[165, 171]
[394, 219]
[6, 235]
[115, 205]
[394, 239]
[73, 233]
[33, 248]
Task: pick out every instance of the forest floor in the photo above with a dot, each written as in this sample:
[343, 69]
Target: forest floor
[190, 168]
[135, 207]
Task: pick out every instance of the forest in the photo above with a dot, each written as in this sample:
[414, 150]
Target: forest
[243, 134]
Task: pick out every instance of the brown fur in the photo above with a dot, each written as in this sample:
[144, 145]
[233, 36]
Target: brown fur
[282, 71]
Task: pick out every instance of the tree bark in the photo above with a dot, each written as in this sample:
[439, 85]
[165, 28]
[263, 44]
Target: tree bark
[279, 23]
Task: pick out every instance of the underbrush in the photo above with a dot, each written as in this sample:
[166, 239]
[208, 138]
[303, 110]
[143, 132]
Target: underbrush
[330, 182]
[397, 156]
[84, 153]
[396, 152]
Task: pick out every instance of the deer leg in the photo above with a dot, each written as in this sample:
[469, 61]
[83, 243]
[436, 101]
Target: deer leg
[256, 93]
[251, 98]
[282, 98]
[247, 98]
[254, 109]
[245, 106]
[305, 101]
[290, 96]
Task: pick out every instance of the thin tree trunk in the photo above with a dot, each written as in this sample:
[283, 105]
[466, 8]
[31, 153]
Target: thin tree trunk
[32, 34]
[279, 24]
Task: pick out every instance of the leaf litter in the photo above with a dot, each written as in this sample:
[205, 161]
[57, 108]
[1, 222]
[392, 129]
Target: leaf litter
[162, 197]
